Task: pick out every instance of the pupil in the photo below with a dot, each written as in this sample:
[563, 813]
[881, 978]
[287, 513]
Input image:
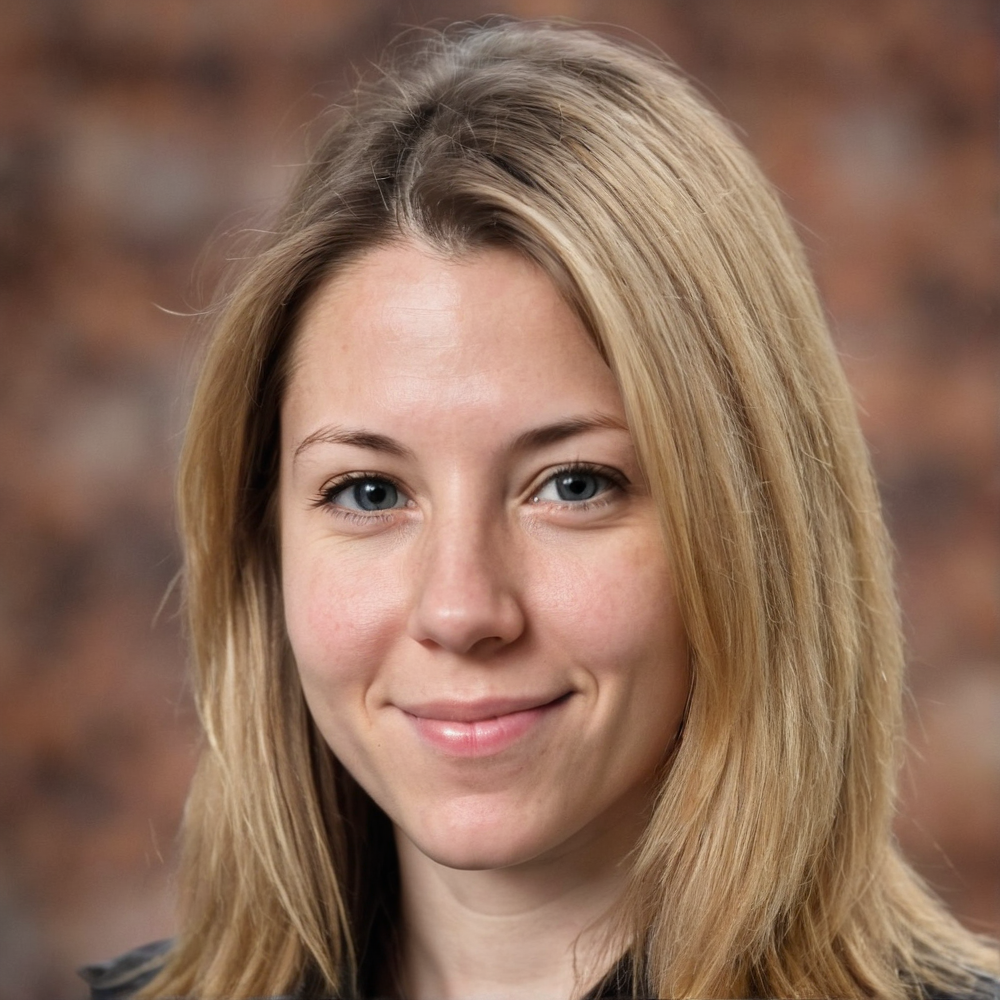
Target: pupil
[375, 494]
[576, 486]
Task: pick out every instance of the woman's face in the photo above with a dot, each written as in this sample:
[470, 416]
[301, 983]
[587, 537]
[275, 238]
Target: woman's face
[475, 585]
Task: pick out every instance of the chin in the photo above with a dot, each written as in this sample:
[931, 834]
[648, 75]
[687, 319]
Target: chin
[475, 834]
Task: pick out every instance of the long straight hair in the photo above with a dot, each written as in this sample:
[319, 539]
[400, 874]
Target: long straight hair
[768, 867]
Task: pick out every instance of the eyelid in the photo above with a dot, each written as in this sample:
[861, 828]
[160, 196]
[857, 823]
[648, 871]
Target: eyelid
[338, 484]
[617, 479]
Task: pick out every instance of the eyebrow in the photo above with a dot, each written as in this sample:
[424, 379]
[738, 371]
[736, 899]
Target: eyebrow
[356, 438]
[530, 440]
[539, 437]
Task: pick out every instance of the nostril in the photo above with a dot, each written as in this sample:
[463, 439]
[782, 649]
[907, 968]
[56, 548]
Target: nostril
[482, 621]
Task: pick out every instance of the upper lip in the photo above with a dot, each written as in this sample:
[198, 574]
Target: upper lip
[449, 710]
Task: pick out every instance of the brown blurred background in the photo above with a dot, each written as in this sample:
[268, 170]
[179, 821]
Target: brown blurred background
[133, 135]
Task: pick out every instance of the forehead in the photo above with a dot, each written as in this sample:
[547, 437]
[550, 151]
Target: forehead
[403, 332]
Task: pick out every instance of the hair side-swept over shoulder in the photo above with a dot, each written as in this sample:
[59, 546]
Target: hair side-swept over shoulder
[768, 867]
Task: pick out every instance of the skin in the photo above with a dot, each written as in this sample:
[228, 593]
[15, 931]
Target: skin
[481, 581]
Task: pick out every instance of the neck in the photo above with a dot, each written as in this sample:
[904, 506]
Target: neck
[541, 928]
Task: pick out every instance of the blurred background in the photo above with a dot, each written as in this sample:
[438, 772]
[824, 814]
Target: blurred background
[136, 139]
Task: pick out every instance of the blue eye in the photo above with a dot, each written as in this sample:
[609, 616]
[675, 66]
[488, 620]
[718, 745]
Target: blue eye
[573, 485]
[369, 494]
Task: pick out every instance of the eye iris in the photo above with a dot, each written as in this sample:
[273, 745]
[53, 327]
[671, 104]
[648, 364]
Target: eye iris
[375, 494]
[577, 486]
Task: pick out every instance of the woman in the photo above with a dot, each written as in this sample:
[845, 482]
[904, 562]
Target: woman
[543, 630]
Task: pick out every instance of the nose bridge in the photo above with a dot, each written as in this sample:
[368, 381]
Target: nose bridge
[465, 588]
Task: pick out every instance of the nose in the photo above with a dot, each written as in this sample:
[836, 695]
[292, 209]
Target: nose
[465, 590]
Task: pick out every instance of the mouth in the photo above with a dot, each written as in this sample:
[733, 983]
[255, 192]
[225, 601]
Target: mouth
[481, 728]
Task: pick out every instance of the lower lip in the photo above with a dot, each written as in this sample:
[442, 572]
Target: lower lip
[485, 737]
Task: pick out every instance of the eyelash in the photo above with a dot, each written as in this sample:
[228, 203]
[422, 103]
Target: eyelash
[325, 498]
[326, 495]
[613, 476]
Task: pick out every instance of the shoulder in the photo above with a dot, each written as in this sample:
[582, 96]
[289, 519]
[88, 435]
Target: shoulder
[123, 977]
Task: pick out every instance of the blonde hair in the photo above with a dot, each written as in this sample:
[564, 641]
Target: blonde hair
[768, 868]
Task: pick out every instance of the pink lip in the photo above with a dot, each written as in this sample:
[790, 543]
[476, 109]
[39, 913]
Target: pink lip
[478, 729]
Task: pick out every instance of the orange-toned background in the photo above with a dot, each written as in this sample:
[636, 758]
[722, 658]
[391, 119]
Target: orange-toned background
[135, 134]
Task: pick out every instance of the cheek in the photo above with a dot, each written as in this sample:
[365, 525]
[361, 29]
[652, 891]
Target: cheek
[615, 609]
[340, 620]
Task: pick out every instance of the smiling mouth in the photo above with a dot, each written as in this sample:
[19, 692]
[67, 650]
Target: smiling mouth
[479, 729]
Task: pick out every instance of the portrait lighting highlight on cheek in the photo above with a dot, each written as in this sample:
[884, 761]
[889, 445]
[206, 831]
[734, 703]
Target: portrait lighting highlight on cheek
[476, 590]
